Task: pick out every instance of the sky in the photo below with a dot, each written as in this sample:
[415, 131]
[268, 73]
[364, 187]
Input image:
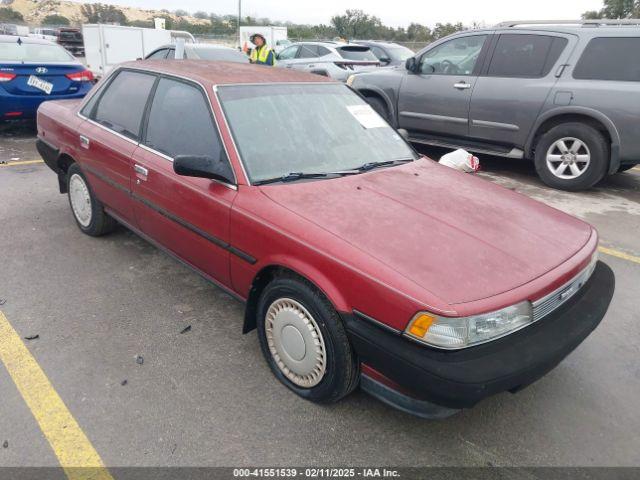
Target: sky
[392, 12]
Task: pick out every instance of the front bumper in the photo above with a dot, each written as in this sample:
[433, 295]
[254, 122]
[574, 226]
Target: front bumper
[460, 379]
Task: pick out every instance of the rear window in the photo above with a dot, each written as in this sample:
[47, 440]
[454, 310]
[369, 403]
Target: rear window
[529, 56]
[219, 54]
[610, 59]
[33, 53]
[357, 53]
[122, 104]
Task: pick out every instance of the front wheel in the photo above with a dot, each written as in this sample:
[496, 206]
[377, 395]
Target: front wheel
[572, 156]
[86, 208]
[379, 106]
[304, 342]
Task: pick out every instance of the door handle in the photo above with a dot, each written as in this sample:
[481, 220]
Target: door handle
[84, 141]
[462, 85]
[141, 170]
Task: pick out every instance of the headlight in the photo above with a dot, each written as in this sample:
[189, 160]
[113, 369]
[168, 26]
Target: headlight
[456, 333]
[350, 79]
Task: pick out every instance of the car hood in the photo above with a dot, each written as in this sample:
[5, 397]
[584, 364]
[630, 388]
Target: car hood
[458, 236]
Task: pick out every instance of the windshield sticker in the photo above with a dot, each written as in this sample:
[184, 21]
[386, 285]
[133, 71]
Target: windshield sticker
[367, 116]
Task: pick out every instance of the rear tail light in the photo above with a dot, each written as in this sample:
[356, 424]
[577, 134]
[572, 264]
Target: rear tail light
[84, 76]
[13, 114]
[6, 77]
[344, 66]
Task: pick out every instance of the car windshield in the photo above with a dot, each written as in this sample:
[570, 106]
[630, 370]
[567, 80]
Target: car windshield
[400, 53]
[357, 53]
[218, 54]
[33, 53]
[307, 128]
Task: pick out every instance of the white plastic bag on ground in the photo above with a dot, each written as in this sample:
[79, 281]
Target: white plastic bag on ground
[461, 160]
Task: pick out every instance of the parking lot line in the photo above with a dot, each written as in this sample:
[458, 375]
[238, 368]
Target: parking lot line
[69, 443]
[22, 162]
[619, 254]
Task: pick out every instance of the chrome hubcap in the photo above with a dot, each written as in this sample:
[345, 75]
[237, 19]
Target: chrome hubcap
[80, 200]
[568, 158]
[295, 342]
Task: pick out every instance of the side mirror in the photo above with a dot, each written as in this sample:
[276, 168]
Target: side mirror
[385, 60]
[411, 64]
[203, 167]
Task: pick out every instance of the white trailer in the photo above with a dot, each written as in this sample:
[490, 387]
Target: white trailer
[276, 36]
[107, 45]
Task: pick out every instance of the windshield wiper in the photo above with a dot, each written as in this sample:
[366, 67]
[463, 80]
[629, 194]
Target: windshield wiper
[289, 177]
[388, 163]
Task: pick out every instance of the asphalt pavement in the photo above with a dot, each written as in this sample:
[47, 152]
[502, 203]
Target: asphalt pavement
[207, 398]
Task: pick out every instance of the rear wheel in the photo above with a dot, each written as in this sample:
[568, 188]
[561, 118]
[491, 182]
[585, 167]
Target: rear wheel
[304, 341]
[87, 210]
[572, 156]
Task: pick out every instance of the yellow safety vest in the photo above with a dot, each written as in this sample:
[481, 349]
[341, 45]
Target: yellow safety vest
[261, 55]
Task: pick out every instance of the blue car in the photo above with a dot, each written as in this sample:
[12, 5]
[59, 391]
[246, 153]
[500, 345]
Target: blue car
[33, 71]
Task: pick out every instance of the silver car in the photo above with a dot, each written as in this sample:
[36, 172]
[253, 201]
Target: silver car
[564, 95]
[331, 59]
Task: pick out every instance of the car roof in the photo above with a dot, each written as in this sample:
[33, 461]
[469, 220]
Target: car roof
[587, 30]
[376, 42]
[197, 46]
[14, 39]
[225, 73]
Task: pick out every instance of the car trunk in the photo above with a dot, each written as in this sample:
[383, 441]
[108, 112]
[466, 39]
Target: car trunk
[357, 58]
[54, 74]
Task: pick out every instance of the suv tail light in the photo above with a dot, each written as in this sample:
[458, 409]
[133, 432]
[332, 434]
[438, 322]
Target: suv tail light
[6, 77]
[344, 65]
[84, 76]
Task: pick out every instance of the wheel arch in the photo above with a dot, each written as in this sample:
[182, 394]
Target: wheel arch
[589, 116]
[373, 91]
[304, 272]
[63, 162]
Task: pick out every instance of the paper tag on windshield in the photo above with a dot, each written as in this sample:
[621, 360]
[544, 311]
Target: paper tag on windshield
[367, 116]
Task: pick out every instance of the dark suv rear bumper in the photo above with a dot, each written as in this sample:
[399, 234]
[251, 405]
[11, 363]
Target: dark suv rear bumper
[460, 379]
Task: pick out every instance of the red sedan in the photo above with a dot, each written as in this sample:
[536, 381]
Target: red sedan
[360, 262]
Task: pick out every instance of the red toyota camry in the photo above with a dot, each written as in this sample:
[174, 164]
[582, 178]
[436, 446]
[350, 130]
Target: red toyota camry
[360, 262]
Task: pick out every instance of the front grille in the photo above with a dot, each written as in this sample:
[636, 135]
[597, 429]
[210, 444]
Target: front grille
[546, 305]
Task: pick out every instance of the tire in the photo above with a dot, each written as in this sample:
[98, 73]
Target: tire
[281, 327]
[574, 170]
[624, 168]
[87, 210]
[379, 106]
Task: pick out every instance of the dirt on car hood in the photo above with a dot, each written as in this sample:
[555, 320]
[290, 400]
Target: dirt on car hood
[456, 235]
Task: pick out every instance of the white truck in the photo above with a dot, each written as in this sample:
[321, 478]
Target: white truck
[107, 45]
[276, 36]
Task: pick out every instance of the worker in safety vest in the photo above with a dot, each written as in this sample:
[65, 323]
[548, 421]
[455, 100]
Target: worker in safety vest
[262, 54]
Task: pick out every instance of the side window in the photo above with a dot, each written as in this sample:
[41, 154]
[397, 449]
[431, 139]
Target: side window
[288, 53]
[122, 104]
[527, 56]
[610, 59]
[455, 57]
[180, 122]
[307, 51]
[322, 51]
[379, 53]
[160, 54]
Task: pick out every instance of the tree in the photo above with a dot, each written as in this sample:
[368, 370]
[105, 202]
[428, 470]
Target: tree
[181, 13]
[100, 13]
[10, 15]
[201, 15]
[444, 29]
[356, 24]
[615, 9]
[55, 19]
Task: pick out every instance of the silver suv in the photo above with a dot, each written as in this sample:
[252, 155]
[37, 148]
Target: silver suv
[565, 95]
[331, 59]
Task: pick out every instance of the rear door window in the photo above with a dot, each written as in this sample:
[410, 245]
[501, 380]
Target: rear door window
[526, 56]
[308, 51]
[121, 106]
[180, 122]
[610, 59]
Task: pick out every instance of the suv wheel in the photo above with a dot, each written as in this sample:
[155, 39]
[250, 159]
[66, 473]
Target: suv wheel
[572, 156]
[379, 106]
[304, 342]
[86, 208]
